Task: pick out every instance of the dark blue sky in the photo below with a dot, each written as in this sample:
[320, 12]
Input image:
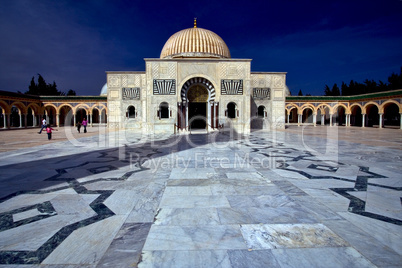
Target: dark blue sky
[317, 42]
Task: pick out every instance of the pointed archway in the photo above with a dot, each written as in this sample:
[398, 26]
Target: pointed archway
[198, 108]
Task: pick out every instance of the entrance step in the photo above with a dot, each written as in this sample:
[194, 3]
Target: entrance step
[199, 131]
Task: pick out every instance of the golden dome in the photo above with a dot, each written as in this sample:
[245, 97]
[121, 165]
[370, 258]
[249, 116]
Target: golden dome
[195, 42]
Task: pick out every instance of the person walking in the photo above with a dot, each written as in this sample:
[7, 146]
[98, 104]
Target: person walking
[49, 131]
[79, 127]
[84, 124]
[43, 125]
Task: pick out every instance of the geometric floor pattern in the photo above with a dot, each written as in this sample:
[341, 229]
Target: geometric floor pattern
[202, 200]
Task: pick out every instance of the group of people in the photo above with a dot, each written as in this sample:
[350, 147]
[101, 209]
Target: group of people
[49, 129]
[84, 123]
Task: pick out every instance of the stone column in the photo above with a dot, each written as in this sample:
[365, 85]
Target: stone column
[315, 119]
[322, 119]
[100, 118]
[8, 120]
[380, 120]
[363, 120]
[330, 120]
[5, 120]
[348, 120]
[212, 116]
[33, 120]
[400, 121]
[58, 120]
[288, 118]
[20, 115]
[299, 119]
[185, 107]
[75, 120]
[26, 121]
[90, 116]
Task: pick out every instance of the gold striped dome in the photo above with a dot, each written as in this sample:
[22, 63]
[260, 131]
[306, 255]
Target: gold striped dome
[195, 42]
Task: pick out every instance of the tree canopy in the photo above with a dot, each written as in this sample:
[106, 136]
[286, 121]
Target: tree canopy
[368, 86]
[41, 88]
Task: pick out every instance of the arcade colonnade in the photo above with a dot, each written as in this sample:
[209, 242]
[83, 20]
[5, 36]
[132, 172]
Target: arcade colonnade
[382, 109]
[22, 111]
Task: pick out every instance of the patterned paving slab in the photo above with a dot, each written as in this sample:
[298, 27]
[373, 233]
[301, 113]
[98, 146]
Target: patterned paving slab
[221, 200]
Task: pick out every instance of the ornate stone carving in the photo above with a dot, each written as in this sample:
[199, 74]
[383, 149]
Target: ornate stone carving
[261, 93]
[231, 87]
[155, 70]
[114, 81]
[223, 72]
[278, 81]
[131, 93]
[164, 87]
[130, 80]
[172, 70]
[197, 80]
[137, 80]
[124, 81]
[261, 80]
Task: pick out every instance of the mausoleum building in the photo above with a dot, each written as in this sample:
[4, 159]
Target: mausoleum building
[195, 84]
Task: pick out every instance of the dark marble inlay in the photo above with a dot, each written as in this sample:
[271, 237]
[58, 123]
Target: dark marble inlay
[102, 211]
[6, 219]
[102, 169]
[292, 155]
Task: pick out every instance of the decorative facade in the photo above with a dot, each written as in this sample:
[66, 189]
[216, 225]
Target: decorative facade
[195, 84]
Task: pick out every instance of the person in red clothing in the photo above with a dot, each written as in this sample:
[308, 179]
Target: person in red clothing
[49, 132]
[84, 123]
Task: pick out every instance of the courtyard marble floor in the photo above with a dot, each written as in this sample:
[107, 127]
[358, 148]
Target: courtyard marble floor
[269, 199]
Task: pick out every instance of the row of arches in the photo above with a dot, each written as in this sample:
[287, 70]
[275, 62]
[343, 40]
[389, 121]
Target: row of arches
[18, 115]
[371, 114]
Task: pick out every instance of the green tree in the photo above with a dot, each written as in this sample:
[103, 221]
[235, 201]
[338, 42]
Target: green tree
[33, 88]
[327, 91]
[395, 81]
[335, 90]
[71, 93]
[41, 88]
[345, 89]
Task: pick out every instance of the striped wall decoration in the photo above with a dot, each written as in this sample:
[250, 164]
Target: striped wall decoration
[130, 93]
[231, 87]
[197, 80]
[261, 93]
[164, 87]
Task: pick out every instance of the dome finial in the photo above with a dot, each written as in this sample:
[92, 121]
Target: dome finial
[195, 22]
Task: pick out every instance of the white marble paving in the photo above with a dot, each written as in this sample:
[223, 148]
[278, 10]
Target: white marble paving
[197, 201]
[187, 190]
[194, 238]
[194, 213]
[387, 233]
[334, 257]
[185, 258]
[187, 216]
[95, 239]
[270, 236]
[27, 214]
[31, 236]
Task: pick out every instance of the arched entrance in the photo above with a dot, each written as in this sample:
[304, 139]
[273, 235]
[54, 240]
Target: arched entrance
[197, 96]
[198, 108]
